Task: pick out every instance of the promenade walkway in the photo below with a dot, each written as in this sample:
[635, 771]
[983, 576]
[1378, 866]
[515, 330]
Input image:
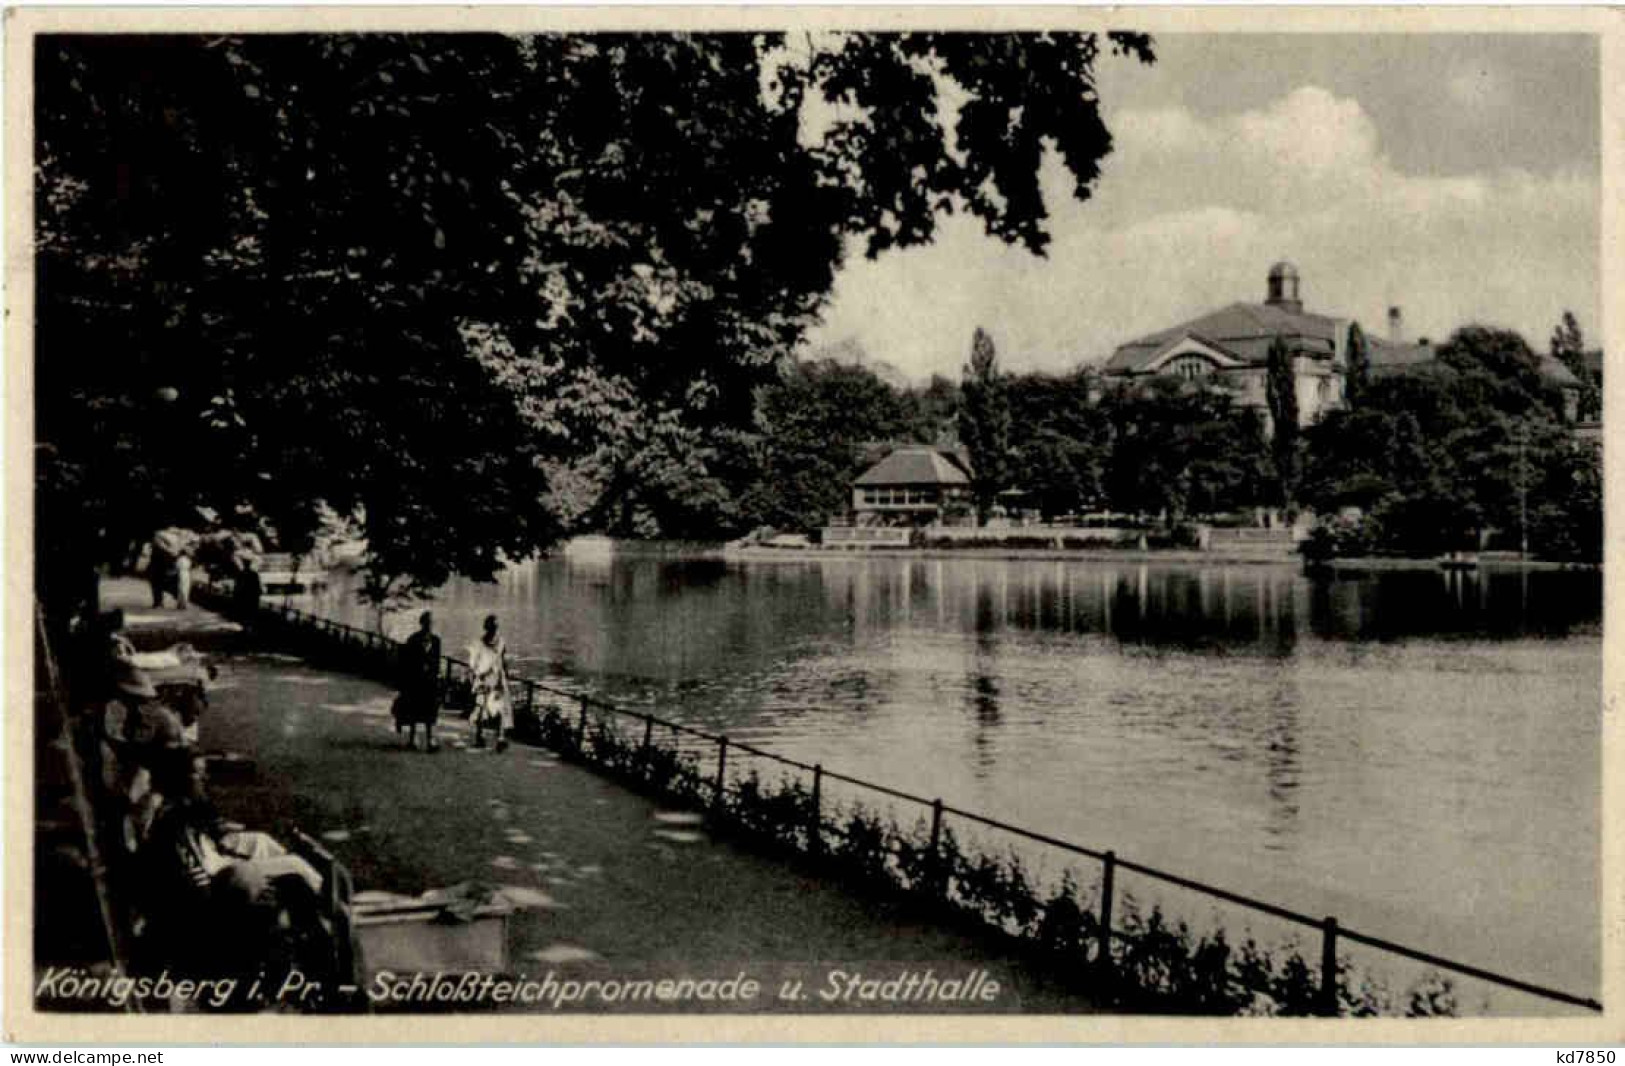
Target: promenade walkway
[609, 876]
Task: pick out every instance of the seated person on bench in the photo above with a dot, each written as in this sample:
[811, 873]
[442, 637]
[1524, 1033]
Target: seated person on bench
[218, 898]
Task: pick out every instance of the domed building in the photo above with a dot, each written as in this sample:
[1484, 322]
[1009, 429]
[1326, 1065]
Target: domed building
[1231, 347]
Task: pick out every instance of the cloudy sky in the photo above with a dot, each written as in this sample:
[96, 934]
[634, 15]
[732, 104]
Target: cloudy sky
[1457, 177]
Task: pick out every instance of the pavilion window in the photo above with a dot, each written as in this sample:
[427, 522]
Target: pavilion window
[1190, 367]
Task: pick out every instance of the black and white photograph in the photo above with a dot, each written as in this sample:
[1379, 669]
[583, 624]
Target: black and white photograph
[810, 517]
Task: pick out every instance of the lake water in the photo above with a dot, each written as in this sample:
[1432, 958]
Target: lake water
[1417, 753]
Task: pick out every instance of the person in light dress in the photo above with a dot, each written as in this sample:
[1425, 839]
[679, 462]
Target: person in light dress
[488, 663]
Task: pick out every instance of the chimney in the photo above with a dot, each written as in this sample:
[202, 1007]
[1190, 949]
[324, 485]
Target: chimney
[1396, 325]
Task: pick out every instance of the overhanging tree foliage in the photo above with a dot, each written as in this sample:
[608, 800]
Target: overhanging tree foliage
[445, 282]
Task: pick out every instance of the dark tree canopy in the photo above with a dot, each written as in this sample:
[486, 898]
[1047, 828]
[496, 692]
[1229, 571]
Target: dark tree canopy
[1281, 392]
[814, 427]
[935, 411]
[984, 423]
[472, 287]
[1568, 345]
[1180, 449]
[1497, 368]
[1436, 459]
[1061, 441]
[1357, 371]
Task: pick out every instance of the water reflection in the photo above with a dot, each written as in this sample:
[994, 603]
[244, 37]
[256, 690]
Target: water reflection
[1497, 602]
[1281, 772]
[982, 687]
[622, 612]
[1344, 745]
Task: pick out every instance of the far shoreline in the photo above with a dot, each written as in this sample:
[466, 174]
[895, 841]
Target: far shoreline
[757, 553]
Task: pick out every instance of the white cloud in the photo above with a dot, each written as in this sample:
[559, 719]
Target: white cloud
[1310, 131]
[1189, 214]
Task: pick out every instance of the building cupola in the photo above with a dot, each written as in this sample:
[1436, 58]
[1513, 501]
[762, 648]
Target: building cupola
[1284, 287]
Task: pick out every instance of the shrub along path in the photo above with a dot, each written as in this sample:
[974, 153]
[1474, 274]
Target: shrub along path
[619, 886]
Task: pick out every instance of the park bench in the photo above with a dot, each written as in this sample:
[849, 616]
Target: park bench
[287, 573]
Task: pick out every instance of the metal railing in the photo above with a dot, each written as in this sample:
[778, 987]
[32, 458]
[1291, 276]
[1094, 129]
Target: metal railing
[1330, 931]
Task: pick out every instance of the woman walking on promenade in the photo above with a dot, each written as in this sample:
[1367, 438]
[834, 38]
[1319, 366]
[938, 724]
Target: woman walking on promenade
[419, 700]
[488, 662]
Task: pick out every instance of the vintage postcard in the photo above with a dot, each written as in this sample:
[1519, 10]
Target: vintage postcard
[922, 524]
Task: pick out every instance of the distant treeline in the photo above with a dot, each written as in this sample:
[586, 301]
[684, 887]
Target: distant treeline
[1471, 450]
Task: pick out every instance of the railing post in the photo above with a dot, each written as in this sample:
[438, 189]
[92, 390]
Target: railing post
[815, 828]
[1108, 875]
[581, 728]
[1328, 968]
[722, 773]
[939, 883]
[648, 742]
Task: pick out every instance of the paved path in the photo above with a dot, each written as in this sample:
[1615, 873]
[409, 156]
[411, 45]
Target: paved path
[610, 874]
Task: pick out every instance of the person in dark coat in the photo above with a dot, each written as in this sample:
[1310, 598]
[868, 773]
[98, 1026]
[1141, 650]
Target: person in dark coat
[419, 699]
[160, 573]
[247, 590]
